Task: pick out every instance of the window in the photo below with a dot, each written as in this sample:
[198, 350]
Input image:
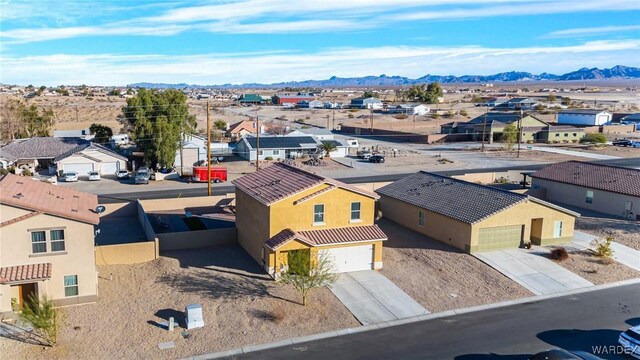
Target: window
[57, 240]
[557, 229]
[260, 152]
[318, 214]
[557, 135]
[589, 198]
[71, 285]
[355, 211]
[566, 135]
[38, 242]
[276, 152]
[421, 218]
[575, 134]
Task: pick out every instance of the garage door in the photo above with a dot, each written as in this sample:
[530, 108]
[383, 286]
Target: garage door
[352, 258]
[81, 169]
[109, 168]
[501, 237]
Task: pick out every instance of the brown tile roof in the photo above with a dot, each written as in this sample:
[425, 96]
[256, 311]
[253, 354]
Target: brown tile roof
[31, 272]
[322, 237]
[615, 179]
[278, 181]
[26, 193]
[248, 125]
[19, 218]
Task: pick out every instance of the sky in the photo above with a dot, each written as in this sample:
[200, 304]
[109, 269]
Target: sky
[119, 42]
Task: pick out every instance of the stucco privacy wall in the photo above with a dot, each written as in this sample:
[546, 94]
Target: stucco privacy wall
[131, 253]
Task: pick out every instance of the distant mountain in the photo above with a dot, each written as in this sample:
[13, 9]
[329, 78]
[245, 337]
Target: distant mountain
[616, 72]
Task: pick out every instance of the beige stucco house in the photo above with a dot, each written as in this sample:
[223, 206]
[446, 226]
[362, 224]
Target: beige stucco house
[46, 243]
[473, 217]
[281, 208]
[607, 189]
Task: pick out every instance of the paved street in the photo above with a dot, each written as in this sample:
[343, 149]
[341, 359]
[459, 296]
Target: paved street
[577, 322]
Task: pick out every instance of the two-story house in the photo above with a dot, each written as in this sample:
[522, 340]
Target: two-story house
[281, 208]
[46, 243]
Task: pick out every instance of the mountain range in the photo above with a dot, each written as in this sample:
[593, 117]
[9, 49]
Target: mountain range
[616, 72]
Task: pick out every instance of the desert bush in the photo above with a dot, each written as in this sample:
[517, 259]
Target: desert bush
[602, 247]
[574, 141]
[350, 116]
[464, 113]
[435, 116]
[4, 171]
[42, 316]
[27, 172]
[307, 117]
[559, 254]
[529, 141]
[269, 158]
[595, 138]
[400, 116]
[353, 110]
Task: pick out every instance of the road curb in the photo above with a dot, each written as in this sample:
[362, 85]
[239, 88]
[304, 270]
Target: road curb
[391, 323]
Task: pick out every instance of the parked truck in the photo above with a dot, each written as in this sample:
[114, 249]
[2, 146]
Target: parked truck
[217, 174]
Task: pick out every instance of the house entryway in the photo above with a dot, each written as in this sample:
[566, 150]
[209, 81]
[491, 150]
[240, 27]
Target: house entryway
[22, 293]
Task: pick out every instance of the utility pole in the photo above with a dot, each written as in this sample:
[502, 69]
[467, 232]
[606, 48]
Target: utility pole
[371, 120]
[333, 127]
[519, 132]
[414, 118]
[484, 127]
[208, 151]
[257, 141]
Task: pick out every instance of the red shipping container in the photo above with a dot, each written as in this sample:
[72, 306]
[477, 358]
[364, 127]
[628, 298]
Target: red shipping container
[218, 174]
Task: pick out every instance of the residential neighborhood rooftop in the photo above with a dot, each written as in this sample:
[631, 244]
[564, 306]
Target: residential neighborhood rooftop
[41, 147]
[583, 111]
[31, 272]
[328, 236]
[461, 200]
[282, 142]
[38, 196]
[596, 176]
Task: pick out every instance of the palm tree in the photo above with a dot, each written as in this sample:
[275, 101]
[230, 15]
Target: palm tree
[327, 148]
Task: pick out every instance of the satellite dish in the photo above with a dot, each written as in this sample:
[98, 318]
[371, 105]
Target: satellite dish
[100, 209]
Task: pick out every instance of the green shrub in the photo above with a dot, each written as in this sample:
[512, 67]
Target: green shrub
[602, 248]
[595, 138]
[42, 316]
[350, 116]
[4, 171]
[574, 141]
[27, 172]
[464, 113]
[400, 116]
[269, 158]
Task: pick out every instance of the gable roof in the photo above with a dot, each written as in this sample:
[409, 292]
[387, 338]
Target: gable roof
[89, 146]
[615, 179]
[41, 147]
[279, 181]
[249, 125]
[461, 200]
[283, 142]
[25, 193]
[322, 237]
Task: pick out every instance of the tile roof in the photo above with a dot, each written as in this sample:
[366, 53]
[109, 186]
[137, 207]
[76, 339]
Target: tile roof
[25, 193]
[19, 218]
[41, 147]
[31, 272]
[461, 200]
[615, 179]
[249, 125]
[322, 237]
[278, 181]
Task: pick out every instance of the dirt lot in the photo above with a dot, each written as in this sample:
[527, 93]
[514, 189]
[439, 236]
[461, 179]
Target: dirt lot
[530, 155]
[585, 264]
[440, 277]
[624, 232]
[241, 306]
[627, 152]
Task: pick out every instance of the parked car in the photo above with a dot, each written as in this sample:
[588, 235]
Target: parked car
[376, 159]
[71, 176]
[560, 354]
[94, 176]
[142, 177]
[364, 154]
[122, 174]
[630, 340]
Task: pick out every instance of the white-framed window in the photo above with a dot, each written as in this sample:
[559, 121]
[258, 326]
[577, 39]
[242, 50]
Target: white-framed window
[71, 285]
[57, 240]
[589, 197]
[276, 152]
[557, 228]
[260, 152]
[355, 211]
[421, 218]
[318, 214]
[38, 242]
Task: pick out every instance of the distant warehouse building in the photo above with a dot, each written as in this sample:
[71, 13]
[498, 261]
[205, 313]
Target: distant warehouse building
[291, 100]
[584, 117]
[606, 189]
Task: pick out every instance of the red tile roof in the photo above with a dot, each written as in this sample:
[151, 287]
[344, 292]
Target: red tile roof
[26, 193]
[31, 272]
[615, 179]
[19, 218]
[278, 181]
[322, 237]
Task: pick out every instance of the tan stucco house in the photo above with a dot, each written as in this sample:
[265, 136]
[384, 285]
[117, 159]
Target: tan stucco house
[607, 189]
[281, 208]
[473, 217]
[46, 243]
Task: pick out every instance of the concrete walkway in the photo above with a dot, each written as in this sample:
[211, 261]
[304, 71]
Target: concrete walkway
[621, 253]
[573, 153]
[533, 270]
[372, 298]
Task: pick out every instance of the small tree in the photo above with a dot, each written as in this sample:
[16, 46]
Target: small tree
[595, 138]
[41, 314]
[305, 273]
[551, 98]
[102, 133]
[327, 148]
[220, 124]
[602, 248]
[566, 101]
[510, 135]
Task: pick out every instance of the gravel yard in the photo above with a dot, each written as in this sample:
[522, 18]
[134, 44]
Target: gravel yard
[241, 306]
[585, 264]
[440, 277]
[624, 232]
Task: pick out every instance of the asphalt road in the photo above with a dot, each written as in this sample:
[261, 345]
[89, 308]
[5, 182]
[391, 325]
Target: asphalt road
[221, 189]
[575, 322]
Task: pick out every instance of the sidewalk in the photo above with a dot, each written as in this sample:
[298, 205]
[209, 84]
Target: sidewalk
[574, 153]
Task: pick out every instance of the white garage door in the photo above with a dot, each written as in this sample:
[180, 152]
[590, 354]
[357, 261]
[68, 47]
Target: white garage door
[81, 169]
[352, 258]
[109, 168]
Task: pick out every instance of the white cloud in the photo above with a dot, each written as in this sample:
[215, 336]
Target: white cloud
[268, 67]
[592, 31]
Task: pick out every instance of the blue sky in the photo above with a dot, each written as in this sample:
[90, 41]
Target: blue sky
[117, 42]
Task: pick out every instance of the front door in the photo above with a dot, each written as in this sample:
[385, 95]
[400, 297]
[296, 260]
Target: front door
[26, 291]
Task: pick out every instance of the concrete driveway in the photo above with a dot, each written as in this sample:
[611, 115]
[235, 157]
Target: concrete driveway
[621, 253]
[533, 270]
[372, 298]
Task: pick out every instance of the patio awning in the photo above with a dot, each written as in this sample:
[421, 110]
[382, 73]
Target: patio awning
[25, 273]
[324, 237]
